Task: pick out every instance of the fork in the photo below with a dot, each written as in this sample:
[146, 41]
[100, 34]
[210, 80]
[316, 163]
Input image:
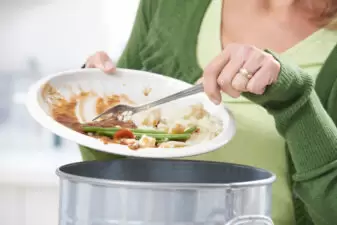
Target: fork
[127, 110]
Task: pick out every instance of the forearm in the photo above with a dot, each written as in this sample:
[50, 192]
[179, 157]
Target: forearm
[311, 137]
[314, 154]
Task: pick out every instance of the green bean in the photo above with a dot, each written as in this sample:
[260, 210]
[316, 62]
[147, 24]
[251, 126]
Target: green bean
[145, 131]
[157, 136]
[190, 130]
[159, 141]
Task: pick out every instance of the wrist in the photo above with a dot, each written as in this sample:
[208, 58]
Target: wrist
[291, 85]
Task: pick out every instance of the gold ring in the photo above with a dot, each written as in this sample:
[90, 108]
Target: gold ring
[244, 72]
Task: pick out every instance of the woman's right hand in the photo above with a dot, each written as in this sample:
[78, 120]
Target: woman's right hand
[102, 61]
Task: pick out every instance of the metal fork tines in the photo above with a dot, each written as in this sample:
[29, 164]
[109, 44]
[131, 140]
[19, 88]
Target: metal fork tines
[120, 109]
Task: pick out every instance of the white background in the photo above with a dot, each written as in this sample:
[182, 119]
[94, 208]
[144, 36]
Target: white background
[61, 33]
[58, 35]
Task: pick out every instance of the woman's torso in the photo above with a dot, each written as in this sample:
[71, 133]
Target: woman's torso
[257, 141]
[172, 51]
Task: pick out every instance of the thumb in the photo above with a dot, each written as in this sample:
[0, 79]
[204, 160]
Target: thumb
[104, 63]
[109, 67]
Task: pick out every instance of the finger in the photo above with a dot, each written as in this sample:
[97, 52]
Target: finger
[252, 64]
[226, 77]
[90, 62]
[262, 79]
[103, 62]
[211, 74]
[109, 67]
[106, 64]
[230, 70]
[240, 82]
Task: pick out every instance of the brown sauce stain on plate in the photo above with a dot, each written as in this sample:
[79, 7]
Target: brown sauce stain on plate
[103, 103]
[64, 111]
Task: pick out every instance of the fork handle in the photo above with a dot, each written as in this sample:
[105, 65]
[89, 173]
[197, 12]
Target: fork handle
[187, 92]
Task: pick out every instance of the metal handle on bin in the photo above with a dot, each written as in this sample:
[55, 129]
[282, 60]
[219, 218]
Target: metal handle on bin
[249, 219]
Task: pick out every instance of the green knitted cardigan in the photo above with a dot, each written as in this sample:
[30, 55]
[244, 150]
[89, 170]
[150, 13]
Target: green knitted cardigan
[164, 39]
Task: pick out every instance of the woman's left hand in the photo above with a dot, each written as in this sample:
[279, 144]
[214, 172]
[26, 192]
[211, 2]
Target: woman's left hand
[239, 68]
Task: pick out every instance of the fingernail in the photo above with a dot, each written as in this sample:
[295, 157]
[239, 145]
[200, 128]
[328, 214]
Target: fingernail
[108, 65]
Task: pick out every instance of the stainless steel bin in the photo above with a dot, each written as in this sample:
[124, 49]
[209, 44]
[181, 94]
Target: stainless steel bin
[164, 192]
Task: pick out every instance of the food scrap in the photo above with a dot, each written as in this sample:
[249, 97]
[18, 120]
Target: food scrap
[153, 131]
[147, 91]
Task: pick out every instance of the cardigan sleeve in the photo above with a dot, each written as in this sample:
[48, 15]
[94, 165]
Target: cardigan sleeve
[130, 57]
[311, 137]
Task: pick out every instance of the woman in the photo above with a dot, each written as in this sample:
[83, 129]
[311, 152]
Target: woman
[284, 113]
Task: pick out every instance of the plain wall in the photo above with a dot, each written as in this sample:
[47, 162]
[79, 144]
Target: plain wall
[60, 34]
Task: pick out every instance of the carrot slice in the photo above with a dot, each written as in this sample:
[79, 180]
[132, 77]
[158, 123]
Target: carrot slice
[123, 133]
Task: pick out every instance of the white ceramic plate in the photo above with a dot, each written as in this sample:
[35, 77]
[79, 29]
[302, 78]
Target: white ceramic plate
[132, 83]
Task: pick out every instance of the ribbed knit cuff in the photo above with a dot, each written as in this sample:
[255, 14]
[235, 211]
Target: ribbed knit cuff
[301, 119]
[312, 141]
[290, 92]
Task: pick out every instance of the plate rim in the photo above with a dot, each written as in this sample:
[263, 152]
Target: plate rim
[46, 121]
